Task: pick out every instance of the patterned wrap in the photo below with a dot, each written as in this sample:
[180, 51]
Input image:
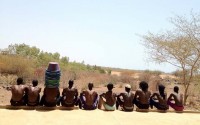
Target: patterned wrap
[52, 79]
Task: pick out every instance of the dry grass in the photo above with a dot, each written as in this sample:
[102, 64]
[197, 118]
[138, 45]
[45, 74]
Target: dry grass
[8, 79]
[12, 67]
[16, 65]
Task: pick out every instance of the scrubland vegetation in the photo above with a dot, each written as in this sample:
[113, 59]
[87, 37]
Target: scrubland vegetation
[21, 60]
[29, 62]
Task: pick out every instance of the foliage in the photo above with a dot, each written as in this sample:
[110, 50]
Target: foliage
[21, 55]
[99, 69]
[18, 65]
[109, 71]
[179, 47]
[155, 72]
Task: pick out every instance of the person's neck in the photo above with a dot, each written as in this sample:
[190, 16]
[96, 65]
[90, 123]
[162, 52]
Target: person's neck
[176, 92]
[144, 90]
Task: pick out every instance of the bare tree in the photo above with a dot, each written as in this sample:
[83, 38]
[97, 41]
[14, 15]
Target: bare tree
[179, 47]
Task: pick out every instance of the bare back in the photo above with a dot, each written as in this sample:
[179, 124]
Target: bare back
[162, 100]
[142, 96]
[33, 93]
[69, 94]
[128, 99]
[110, 98]
[178, 98]
[90, 96]
[51, 94]
[18, 92]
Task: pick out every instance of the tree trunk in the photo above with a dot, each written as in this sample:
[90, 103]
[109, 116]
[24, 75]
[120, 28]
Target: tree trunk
[185, 95]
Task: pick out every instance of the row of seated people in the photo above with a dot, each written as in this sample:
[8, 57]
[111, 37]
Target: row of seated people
[90, 100]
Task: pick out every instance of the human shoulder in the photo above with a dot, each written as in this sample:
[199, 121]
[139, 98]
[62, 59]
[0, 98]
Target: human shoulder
[138, 91]
[122, 94]
[132, 93]
[85, 91]
[38, 88]
[75, 89]
[155, 93]
[95, 92]
[114, 94]
[23, 87]
[172, 95]
[13, 86]
[65, 88]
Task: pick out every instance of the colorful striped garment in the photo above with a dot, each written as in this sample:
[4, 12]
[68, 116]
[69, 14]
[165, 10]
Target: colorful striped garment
[52, 78]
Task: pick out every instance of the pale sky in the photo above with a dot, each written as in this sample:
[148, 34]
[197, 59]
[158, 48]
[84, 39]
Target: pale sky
[101, 32]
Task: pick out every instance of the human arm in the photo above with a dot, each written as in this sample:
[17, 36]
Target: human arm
[171, 97]
[82, 93]
[154, 96]
[58, 93]
[39, 90]
[64, 92]
[102, 95]
[118, 96]
[26, 89]
[136, 94]
[96, 99]
[76, 94]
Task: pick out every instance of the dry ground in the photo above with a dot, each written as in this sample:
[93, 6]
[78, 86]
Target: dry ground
[5, 95]
[96, 117]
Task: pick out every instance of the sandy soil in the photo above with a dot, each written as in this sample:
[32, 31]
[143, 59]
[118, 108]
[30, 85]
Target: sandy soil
[96, 117]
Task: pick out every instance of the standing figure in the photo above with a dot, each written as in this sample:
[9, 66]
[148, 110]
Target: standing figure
[177, 98]
[142, 96]
[126, 103]
[88, 98]
[108, 99]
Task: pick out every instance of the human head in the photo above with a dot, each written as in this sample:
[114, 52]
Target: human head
[110, 86]
[71, 83]
[144, 86]
[127, 88]
[35, 82]
[19, 81]
[161, 88]
[176, 89]
[90, 86]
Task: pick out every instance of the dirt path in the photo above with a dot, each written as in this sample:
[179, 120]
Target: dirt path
[97, 117]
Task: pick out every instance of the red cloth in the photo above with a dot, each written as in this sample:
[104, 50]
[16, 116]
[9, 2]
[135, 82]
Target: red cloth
[175, 107]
